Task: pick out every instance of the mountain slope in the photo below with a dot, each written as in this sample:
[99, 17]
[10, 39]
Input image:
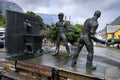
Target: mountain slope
[116, 21]
[7, 5]
[48, 18]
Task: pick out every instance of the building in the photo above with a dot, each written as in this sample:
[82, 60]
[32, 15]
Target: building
[113, 31]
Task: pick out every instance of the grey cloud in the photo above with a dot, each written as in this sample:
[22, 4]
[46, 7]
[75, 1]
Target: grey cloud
[113, 7]
[77, 9]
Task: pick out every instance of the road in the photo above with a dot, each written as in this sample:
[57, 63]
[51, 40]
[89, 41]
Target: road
[110, 53]
[110, 56]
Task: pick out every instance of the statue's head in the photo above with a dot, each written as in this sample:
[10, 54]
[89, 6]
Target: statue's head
[60, 15]
[97, 13]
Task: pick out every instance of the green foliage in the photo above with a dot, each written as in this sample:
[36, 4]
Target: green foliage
[73, 32]
[37, 16]
[53, 33]
[45, 32]
[2, 19]
[1, 14]
[115, 41]
[48, 33]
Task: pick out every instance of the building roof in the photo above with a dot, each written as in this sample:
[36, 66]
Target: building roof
[112, 28]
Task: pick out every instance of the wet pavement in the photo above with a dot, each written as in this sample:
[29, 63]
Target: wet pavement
[107, 61]
[110, 53]
[108, 65]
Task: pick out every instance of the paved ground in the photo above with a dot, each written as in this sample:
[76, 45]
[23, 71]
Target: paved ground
[107, 61]
[110, 53]
[110, 56]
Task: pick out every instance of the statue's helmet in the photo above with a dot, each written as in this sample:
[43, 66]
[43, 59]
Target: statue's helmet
[97, 13]
[60, 14]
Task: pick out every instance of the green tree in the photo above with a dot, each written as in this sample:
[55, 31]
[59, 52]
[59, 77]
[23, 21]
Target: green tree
[37, 16]
[73, 32]
[1, 13]
[53, 33]
[2, 19]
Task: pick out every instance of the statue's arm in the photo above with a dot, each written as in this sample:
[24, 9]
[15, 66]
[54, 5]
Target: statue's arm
[27, 24]
[68, 28]
[50, 27]
[97, 40]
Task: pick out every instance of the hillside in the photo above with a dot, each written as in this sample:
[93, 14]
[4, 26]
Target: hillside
[7, 5]
[48, 18]
[116, 21]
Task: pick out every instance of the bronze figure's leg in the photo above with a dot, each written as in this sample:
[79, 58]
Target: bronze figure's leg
[89, 63]
[57, 45]
[76, 55]
[66, 44]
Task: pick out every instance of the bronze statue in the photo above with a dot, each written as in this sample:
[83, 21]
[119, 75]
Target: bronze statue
[86, 38]
[27, 26]
[62, 27]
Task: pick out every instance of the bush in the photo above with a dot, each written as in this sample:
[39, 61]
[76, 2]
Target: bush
[116, 41]
[73, 32]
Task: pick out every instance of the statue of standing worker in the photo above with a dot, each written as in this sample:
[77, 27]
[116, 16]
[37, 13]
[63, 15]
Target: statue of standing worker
[88, 34]
[62, 27]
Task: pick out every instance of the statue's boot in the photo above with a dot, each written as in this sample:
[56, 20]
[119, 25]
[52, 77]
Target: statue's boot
[68, 51]
[74, 62]
[56, 52]
[89, 66]
[69, 54]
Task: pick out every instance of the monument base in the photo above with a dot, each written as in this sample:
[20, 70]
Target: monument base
[23, 56]
[63, 64]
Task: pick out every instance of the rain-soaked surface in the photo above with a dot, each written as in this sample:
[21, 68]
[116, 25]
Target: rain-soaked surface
[64, 63]
[107, 62]
[107, 65]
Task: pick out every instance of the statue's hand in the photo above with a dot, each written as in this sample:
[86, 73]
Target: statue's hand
[50, 27]
[109, 43]
[71, 30]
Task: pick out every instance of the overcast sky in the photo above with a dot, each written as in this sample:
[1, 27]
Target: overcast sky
[79, 10]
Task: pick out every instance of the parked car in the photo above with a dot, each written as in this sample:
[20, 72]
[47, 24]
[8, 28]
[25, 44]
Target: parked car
[2, 40]
[117, 46]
